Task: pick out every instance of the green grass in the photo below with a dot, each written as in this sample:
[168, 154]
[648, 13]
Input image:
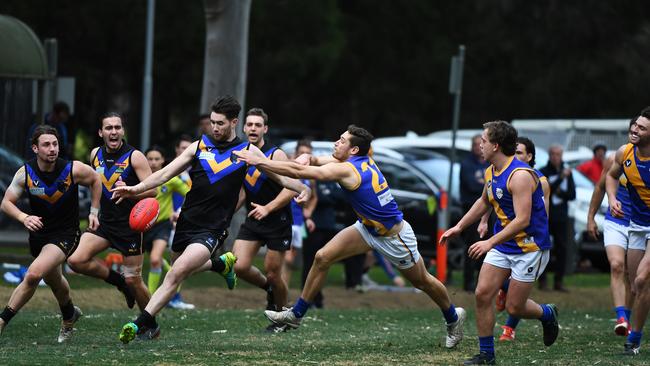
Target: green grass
[352, 337]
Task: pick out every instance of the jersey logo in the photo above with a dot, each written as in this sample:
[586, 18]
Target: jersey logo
[110, 176]
[218, 165]
[499, 193]
[254, 177]
[628, 162]
[53, 193]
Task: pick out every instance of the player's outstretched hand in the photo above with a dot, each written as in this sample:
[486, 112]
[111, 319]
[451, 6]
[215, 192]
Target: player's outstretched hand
[251, 156]
[303, 196]
[304, 159]
[449, 234]
[478, 249]
[122, 191]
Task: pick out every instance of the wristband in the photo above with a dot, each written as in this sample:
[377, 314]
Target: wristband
[94, 211]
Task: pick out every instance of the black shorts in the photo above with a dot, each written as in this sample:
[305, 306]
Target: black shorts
[122, 239]
[275, 236]
[160, 231]
[67, 241]
[187, 234]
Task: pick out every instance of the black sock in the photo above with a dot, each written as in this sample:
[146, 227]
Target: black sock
[7, 314]
[146, 319]
[217, 265]
[115, 279]
[67, 310]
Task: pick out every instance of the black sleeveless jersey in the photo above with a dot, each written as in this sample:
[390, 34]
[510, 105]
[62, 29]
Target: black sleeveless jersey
[110, 167]
[261, 189]
[54, 196]
[216, 181]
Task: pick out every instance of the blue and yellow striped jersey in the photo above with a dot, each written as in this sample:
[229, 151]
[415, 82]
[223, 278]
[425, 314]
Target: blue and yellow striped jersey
[637, 172]
[371, 199]
[623, 196]
[534, 237]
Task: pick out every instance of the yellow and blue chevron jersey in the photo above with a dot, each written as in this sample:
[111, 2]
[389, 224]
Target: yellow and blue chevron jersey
[111, 166]
[534, 237]
[371, 199]
[637, 171]
[164, 196]
[54, 196]
[622, 196]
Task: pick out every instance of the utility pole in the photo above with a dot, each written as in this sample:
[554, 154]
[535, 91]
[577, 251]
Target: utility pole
[148, 82]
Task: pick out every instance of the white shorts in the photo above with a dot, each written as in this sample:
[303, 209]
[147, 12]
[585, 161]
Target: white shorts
[615, 234]
[401, 249]
[638, 236]
[296, 236]
[525, 267]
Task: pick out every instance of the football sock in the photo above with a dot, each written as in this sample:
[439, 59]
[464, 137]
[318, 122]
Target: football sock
[145, 319]
[547, 313]
[154, 279]
[635, 337]
[67, 310]
[450, 314]
[7, 314]
[628, 314]
[620, 312]
[486, 344]
[115, 279]
[300, 307]
[217, 265]
[512, 321]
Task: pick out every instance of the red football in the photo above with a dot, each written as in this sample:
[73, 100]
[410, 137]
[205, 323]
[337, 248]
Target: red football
[144, 214]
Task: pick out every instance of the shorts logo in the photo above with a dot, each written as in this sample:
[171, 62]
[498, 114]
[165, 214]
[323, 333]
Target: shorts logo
[499, 193]
[210, 241]
[530, 270]
[628, 162]
[285, 242]
[403, 261]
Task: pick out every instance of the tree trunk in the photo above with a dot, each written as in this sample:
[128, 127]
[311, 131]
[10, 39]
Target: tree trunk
[226, 50]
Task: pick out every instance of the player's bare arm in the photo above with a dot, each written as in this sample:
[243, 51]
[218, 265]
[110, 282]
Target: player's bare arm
[86, 176]
[479, 208]
[8, 206]
[179, 164]
[281, 200]
[522, 185]
[597, 198]
[142, 171]
[611, 183]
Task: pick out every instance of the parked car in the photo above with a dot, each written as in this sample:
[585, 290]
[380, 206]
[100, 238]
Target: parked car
[415, 192]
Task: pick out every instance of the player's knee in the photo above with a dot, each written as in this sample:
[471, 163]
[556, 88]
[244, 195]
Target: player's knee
[76, 262]
[515, 309]
[321, 260]
[242, 266]
[617, 267]
[641, 281]
[33, 277]
[132, 275]
[483, 296]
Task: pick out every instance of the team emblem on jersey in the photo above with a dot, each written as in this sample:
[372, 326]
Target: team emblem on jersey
[489, 183]
[499, 193]
[628, 162]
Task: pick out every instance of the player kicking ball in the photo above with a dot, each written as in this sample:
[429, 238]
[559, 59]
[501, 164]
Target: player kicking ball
[381, 226]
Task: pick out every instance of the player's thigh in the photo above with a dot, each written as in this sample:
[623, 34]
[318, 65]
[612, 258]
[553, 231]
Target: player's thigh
[50, 258]
[245, 251]
[490, 278]
[615, 254]
[633, 257]
[193, 257]
[519, 292]
[346, 243]
[89, 246]
[643, 271]
[274, 260]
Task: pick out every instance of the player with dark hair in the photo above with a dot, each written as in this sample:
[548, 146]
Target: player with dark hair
[51, 184]
[381, 225]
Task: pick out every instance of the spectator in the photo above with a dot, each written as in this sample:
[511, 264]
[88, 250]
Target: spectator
[594, 167]
[563, 190]
[472, 171]
[205, 126]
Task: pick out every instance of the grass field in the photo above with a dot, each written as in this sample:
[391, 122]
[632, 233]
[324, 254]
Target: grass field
[356, 329]
[331, 337]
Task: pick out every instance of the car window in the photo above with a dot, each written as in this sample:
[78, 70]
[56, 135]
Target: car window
[438, 170]
[402, 178]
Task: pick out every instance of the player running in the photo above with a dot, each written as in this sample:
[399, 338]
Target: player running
[51, 184]
[208, 208]
[520, 245]
[381, 226]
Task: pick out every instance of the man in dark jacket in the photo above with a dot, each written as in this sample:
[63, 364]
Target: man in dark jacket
[472, 171]
[563, 190]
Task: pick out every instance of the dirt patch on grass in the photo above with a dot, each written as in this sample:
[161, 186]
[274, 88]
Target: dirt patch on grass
[335, 298]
